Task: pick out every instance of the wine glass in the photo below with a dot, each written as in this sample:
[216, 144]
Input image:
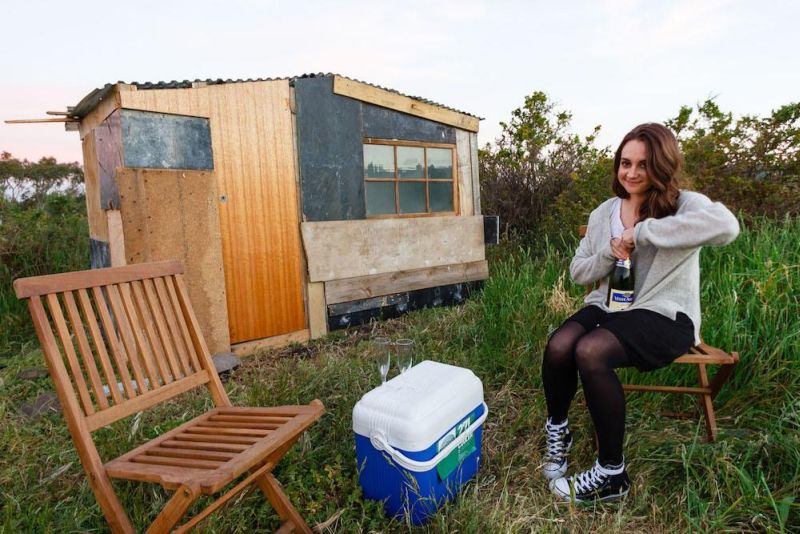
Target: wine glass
[405, 353]
[383, 355]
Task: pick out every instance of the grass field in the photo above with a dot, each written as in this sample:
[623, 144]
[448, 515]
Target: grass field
[747, 481]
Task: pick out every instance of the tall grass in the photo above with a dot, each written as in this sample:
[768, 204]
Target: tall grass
[747, 481]
[33, 241]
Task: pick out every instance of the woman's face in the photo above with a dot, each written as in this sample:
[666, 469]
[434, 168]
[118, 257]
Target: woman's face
[633, 174]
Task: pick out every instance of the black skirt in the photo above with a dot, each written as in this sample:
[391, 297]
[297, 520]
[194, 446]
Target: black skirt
[650, 339]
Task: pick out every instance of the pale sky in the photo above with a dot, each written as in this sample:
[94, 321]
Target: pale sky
[616, 63]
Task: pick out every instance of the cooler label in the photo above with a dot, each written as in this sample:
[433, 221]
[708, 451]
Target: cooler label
[451, 462]
[620, 300]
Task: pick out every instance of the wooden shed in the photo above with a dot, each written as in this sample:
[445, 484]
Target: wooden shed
[297, 204]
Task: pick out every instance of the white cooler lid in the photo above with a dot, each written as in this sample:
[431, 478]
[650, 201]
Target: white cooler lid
[415, 408]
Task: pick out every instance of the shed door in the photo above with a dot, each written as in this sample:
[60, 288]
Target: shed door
[253, 146]
[259, 219]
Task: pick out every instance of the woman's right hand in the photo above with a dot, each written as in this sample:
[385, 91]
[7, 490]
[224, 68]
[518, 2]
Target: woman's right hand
[620, 250]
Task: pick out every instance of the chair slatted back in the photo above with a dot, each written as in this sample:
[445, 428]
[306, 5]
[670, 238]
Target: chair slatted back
[119, 340]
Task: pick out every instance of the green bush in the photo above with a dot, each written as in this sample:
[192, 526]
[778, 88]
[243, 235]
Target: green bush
[37, 240]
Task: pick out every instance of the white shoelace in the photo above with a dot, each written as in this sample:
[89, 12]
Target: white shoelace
[556, 445]
[589, 480]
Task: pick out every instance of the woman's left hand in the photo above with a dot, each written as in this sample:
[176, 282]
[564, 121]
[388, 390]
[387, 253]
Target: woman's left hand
[627, 239]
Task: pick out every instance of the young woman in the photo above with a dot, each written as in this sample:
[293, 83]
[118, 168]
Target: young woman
[661, 229]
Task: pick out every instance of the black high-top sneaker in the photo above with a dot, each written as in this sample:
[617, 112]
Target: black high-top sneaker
[558, 441]
[597, 484]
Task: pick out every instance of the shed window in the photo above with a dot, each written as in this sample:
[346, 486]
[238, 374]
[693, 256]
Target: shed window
[405, 178]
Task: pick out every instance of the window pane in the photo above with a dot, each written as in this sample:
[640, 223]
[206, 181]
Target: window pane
[378, 161]
[440, 163]
[380, 198]
[441, 196]
[410, 162]
[412, 197]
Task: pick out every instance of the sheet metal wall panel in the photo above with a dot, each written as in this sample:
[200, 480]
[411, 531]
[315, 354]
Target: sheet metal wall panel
[329, 143]
[99, 254]
[385, 123]
[108, 143]
[164, 141]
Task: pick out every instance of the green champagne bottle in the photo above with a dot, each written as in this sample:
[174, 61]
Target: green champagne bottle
[620, 286]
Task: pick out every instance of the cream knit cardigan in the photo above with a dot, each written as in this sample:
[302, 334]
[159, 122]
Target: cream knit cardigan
[666, 259]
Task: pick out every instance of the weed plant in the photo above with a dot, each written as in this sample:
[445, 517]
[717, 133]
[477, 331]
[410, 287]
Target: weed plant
[748, 481]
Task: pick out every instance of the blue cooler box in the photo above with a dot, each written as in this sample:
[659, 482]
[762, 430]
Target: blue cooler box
[418, 438]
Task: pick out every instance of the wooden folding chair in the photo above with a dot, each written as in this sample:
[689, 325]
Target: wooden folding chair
[118, 341]
[701, 355]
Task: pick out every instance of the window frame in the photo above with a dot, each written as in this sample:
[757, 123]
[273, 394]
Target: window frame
[425, 179]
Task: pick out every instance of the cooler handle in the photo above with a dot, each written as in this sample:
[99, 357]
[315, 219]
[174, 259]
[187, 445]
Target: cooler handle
[380, 443]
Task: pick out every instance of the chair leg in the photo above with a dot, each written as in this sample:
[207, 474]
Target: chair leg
[280, 502]
[722, 375]
[175, 509]
[711, 421]
[112, 509]
[707, 405]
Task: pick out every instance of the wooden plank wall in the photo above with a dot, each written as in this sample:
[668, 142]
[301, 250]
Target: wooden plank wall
[254, 163]
[347, 249]
[170, 214]
[365, 287]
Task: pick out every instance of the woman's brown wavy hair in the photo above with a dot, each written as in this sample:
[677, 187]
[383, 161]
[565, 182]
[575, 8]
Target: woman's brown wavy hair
[664, 164]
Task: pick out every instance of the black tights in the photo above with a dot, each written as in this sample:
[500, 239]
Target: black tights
[594, 355]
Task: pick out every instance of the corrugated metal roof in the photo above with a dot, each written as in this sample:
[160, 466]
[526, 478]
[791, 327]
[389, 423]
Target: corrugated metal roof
[90, 101]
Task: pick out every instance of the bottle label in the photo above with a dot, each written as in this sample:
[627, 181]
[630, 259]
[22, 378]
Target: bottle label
[619, 300]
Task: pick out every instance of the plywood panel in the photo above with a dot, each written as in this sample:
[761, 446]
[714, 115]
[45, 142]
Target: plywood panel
[169, 214]
[365, 287]
[347, 249]
[254, 163]
[464, 161]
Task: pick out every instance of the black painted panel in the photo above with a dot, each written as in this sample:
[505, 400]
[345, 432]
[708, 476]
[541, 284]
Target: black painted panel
[165, 141]
[360, 312]
[385, 123]
[330, 150]
[100, 254]
[491, 229]
[108, 144]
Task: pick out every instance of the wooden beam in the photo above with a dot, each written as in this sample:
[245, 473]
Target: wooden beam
[317, 312]
[388, 99]
[35, 121]
[364, 287]
[349, 249]
[65, 113]
[476, 186]
[464, 161]
[99, 113]
[116, 238]
[249, 347]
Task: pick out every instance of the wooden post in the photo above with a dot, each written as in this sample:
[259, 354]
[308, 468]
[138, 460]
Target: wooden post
[116, 238]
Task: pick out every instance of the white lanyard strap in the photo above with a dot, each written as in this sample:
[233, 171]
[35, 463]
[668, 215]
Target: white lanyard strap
[380, 443]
